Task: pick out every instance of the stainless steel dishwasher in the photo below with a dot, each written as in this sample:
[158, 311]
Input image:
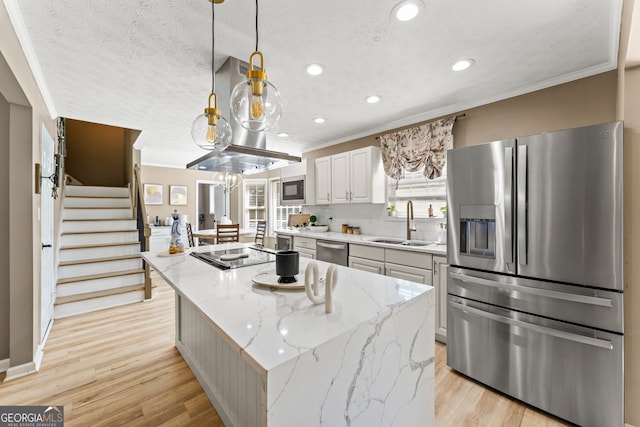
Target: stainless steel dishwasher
[333, 252]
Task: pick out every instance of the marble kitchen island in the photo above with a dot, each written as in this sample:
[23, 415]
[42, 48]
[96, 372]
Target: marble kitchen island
[271, 358]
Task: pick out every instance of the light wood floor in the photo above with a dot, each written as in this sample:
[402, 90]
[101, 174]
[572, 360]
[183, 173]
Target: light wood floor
[120, 367]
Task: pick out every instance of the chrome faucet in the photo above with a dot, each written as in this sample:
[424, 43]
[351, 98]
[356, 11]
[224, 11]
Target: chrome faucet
[409, 218]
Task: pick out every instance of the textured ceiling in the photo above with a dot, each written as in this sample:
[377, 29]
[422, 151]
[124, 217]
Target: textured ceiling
[145, 64]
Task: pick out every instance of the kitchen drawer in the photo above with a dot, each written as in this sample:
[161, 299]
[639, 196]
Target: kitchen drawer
[366, 265]
[307, 253]
[160, 231]
[368, 252]
[304, 242]
[418, 275]
[413, 259]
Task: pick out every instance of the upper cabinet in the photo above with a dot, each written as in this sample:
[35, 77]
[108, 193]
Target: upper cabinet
[355, 176]
[341, 174]
[323, 180]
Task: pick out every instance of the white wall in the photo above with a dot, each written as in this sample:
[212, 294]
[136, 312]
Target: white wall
[4, 229]
[373, 219]
[27, 113]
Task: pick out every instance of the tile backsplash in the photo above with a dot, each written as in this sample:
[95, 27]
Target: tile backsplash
[373, 219]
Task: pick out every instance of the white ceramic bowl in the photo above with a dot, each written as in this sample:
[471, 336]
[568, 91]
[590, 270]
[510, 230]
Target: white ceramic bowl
[318, 228]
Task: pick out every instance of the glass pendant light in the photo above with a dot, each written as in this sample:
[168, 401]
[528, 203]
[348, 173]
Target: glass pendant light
[210, 130]
[255, 102]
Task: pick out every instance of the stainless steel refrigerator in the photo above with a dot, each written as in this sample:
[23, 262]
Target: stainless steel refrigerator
[535, 287]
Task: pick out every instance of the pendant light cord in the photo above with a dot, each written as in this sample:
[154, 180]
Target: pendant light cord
[213, 47]
[256, 25]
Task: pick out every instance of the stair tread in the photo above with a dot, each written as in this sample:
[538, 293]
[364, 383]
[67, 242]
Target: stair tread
[104, 259]
[97, 245]
[99, 276]
[97, 207]
[98, 294]
[126, 230]
[86, 196]
[98, 219]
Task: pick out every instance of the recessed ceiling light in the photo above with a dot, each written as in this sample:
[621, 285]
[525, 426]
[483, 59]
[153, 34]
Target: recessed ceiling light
[314, 69]
[406, 10]
[282, 134]
[373, 99]
[463, 64]
[319, 120]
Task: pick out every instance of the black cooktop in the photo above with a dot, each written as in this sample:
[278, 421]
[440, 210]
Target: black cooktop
[255, 256]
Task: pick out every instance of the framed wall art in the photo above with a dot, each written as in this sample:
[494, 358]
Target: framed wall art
[178, 195]
[153, 194]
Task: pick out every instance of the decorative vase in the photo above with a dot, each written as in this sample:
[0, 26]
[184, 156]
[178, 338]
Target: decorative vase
[176, 244]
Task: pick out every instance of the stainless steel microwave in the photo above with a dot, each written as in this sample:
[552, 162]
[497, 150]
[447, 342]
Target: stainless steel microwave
[292, 190]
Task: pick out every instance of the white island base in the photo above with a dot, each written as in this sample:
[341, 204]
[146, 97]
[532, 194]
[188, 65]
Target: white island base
[271, 358]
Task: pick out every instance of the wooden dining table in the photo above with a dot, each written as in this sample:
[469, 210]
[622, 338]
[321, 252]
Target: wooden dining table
[211, 234]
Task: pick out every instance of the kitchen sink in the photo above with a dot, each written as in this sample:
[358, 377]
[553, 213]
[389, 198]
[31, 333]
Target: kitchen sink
[410, 243]
[402, 242]
[391, 242]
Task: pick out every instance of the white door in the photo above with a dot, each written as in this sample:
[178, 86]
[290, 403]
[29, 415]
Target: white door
[47, 293]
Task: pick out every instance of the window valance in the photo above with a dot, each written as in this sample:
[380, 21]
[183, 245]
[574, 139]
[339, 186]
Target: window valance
[419, 148]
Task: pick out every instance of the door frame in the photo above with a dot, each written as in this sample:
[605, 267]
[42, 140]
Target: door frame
[47, 256]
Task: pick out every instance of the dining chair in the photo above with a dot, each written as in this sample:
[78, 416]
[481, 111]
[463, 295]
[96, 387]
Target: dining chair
[261, 229]
[190, 235]
[228, 233]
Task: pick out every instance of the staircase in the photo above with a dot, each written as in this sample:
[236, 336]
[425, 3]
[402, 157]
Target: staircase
[99, 256]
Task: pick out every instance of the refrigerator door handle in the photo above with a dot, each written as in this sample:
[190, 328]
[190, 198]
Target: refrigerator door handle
[583, 299]
[595, 342]
[508, 200]
[523, 199]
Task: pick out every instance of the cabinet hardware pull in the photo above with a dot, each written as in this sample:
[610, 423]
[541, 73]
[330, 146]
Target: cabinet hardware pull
[596, 342]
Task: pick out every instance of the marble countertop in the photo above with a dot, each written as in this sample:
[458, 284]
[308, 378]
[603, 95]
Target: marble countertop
[364, 239]
[274, 326]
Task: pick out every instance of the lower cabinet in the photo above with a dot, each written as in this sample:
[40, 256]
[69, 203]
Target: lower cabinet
[408, 265]
[307, 253]
[160, 238]
[366, 258]
[413, 274]
[440, 267]
[364, 264]
[305, 246]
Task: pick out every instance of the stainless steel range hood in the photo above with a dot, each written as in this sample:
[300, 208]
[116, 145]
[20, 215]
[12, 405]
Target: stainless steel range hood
[247, 152]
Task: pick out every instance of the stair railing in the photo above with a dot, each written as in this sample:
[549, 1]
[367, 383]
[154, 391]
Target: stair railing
[144, 231]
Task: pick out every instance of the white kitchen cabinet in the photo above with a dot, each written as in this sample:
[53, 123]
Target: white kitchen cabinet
[440, 267]
[364, 176]
[323, 180]
[414, 274]
[305, 246]
[357, 176]
[340, 178]
[306, 253]
[160, 238]
[366, 258]
[366, 265]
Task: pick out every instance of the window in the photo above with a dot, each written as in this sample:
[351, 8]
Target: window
[254, 191]
[422, 193]
[279, 214]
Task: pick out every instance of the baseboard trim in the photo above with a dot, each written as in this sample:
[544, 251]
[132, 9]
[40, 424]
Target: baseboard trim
[20, 371]
[37, 358]
[4, 365]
